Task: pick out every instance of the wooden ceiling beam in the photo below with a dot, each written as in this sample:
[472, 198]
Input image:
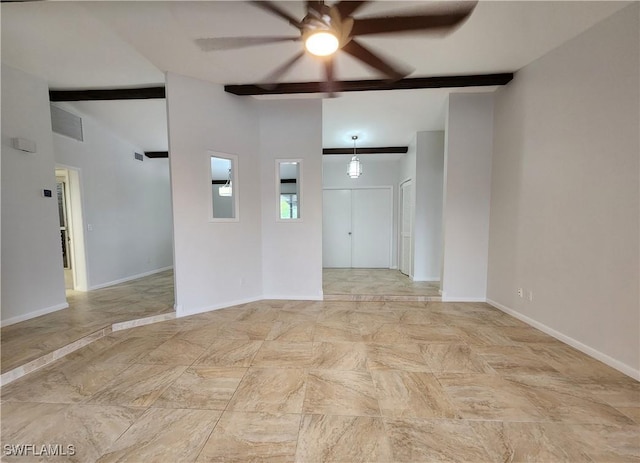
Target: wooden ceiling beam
[156, 154]
[480, 80]
[145, 93]
[376, 150]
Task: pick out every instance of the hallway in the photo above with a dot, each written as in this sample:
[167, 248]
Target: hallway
[374, 284]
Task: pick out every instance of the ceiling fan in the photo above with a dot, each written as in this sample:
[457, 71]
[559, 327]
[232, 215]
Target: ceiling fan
[325, 29]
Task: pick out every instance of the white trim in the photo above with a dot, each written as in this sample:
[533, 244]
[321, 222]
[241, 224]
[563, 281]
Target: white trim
[235, 167]
[446, 298]
[300, 217]
[180, 312]
[129, 278]
[596, 354]
[293, 298]
[400, 217]
[431, 279]
[79, 246]
[34, 314]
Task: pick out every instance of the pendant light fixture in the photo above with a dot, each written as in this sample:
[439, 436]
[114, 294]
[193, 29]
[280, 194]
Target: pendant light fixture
[354, 170]
[226, 189]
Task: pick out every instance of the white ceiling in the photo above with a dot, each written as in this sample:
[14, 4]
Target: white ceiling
[132, 43]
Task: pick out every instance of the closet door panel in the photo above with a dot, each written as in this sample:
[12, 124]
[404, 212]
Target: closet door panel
[336, 228]
[371, 215]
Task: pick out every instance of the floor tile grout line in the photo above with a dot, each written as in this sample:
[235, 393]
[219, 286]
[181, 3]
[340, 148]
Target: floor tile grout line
[205, 441]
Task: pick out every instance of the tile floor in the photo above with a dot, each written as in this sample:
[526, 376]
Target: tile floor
[88, 312]
[375, 284]
[348, 382]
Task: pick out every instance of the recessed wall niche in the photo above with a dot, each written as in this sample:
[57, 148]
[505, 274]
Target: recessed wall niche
[289, 190]
[223, 178]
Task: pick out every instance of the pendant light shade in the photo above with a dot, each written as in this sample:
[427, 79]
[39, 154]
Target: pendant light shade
[227, 188]
[354, 169]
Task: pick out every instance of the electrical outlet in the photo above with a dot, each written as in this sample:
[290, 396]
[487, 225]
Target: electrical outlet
[530, 296]
[520, 292]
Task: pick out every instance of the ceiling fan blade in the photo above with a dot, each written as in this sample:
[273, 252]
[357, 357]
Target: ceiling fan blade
[276, 10]
[390, 24]
[358, 51]
[347, 8]
[315, 5]
[230, 43]
[272, 79]
[329, 68]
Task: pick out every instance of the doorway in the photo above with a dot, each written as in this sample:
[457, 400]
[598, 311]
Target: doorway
[357, 228]
[62, 182]
[71, 227]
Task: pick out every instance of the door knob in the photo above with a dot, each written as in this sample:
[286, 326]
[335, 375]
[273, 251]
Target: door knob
[349, 232]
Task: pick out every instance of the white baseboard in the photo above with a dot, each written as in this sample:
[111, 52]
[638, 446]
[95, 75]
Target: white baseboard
[447, 298]
[596, 354]
[293, 298]
[34, 314]
[180, 312]
[129, 278]
[431, 279]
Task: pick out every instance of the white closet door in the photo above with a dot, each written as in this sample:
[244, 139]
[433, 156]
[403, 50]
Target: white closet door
[371, 214]
[336, 228]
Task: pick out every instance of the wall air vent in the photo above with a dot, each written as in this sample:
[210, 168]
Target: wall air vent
[66, 123]
[138, 156]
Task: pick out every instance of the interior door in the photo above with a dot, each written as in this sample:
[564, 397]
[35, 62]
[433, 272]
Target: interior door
[336, 228]
[405, 228]
[371, 226]
[65, 237]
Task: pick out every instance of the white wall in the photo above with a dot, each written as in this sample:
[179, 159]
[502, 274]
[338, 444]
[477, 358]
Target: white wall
[292, 251]
[216, 264]
[383, 171]
[565, 193]
[427, 235]
[126, 202]
[32, 274]
[467, 191]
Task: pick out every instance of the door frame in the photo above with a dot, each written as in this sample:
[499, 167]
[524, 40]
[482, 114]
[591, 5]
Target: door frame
[75, 218]
[408, 182]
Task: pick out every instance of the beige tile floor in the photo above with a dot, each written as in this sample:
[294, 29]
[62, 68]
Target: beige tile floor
[88, 312]
[348, 382]
[374, 284]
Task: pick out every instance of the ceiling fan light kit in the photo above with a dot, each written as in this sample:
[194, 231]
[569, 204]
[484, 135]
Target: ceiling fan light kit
[322, 43]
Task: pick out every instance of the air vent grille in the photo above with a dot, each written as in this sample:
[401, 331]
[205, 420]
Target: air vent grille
[66, 123]
[138, 156]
